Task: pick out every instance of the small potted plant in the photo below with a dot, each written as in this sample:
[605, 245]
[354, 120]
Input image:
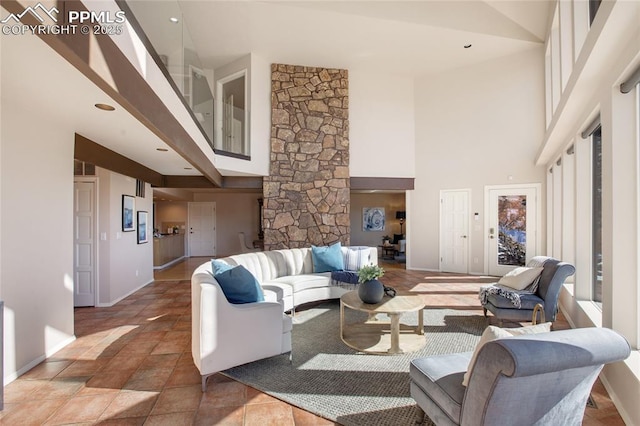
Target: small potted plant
[370, 290]
[386, 240]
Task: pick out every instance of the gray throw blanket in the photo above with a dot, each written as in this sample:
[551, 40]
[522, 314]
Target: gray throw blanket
[509, 293]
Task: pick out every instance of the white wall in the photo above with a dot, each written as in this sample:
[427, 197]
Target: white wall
[235, 212]
[124, 265]
[381, 125]
[170, 211]
[475, 126]
[381, 114]
[36, 267]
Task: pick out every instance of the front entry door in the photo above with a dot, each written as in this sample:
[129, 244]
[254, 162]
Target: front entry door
[454, 231]
[84, 243]
[202, 229]
[513, 227]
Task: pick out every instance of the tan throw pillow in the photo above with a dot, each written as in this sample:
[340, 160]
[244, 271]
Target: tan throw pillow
[521, 277]
[493, 333]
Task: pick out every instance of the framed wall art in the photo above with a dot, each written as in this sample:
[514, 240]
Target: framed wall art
[373, 218]
[128, 207]
[143, 235]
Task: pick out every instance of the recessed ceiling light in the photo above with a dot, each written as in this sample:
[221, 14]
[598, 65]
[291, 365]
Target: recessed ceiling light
[162, 149]
[466, 46]
[174, 20]
[105, 107]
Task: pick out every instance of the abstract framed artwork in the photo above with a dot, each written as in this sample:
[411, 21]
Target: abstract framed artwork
[128, 207]
[373, 219]
[143, 236]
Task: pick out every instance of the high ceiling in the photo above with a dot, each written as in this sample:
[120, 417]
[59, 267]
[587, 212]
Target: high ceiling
[410, 38]
[406, 38]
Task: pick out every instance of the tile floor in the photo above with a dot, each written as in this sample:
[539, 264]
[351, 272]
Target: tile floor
[131, 364]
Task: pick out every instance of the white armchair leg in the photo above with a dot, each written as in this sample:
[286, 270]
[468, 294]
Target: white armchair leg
[204, 381]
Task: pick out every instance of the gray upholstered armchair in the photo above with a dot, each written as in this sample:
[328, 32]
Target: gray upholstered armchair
[541, 379]
[552, 277]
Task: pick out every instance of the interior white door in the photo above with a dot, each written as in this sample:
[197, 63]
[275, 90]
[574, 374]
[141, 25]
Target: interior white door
[202, 229]
[84, 244]
[454, 231]
[512, 227]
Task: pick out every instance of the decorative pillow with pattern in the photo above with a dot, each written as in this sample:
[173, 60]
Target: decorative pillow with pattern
[356, 258]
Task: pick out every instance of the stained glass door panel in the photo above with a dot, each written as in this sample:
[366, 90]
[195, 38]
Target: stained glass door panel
[512, 228]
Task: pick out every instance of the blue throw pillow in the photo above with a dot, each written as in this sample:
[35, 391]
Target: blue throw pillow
[240, 286]
[218, 266]
[327, 259]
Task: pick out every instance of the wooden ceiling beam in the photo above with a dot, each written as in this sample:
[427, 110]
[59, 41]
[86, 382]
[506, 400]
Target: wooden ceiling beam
[88, 151]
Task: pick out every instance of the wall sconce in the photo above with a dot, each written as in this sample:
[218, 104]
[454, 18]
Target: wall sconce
[402, 216]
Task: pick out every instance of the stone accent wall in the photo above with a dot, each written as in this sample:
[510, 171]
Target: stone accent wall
[307, 195]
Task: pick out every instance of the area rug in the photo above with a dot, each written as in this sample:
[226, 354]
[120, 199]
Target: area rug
[351, 388]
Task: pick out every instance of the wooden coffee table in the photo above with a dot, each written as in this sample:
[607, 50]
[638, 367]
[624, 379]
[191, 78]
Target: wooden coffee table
[380, 336]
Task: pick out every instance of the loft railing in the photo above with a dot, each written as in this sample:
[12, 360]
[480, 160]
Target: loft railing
[161, 26]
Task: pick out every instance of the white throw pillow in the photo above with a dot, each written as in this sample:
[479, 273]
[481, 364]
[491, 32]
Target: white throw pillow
[493, 333]
[520, 278]
[356, 258]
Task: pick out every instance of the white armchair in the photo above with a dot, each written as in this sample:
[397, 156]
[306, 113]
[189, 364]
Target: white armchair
[225, 335]
[244, 248]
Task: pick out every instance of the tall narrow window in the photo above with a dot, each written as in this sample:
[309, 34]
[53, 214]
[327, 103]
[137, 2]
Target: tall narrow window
[232, 119]
[594, 5]
[596, 215]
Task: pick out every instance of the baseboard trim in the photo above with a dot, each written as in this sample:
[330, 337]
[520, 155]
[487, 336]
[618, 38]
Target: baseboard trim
[8, 378]
[166, 265]
[109, 304]
[422, 269]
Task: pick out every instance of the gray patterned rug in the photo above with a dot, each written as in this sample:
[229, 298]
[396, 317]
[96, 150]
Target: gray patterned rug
[336, 382]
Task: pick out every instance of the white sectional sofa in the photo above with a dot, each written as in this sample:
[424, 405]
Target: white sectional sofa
[225, 335]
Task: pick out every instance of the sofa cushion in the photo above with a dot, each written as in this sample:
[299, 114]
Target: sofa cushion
[327, 258]
[305, 281]
[527, 301]
[240, 286]
[440, 378]
[280, 288]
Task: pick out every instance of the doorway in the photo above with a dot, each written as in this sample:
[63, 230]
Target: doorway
[84, 242]
[512, 227]
[454, 230]
[202, 229]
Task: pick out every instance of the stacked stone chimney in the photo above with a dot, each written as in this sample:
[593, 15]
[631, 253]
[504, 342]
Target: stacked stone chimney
[307, 195]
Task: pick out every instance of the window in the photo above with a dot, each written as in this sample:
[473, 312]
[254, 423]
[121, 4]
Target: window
[594, 5]
[596, 215]
[232, 124]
